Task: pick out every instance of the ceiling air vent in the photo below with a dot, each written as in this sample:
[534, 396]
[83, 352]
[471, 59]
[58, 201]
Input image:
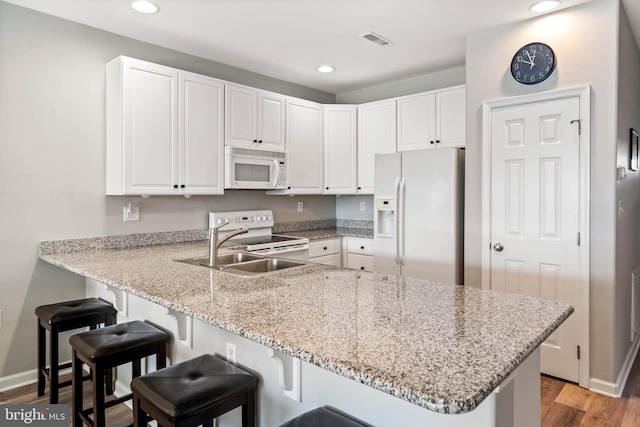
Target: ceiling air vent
[374, 38]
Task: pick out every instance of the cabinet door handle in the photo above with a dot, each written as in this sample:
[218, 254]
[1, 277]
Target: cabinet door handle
[255, 140]
[326, 188]
[260, 142]
[431, 142]
[175, 186]
[437, 141]
[361, 268]
[325, 248]
[182, 186]
[362, 247]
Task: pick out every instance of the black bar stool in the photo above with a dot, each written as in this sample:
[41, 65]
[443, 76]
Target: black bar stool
[104, 349]
[321, 417]
[193, 393]
[60, 317]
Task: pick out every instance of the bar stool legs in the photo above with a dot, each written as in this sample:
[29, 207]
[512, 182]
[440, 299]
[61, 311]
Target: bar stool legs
[60, 317]
[104, 349]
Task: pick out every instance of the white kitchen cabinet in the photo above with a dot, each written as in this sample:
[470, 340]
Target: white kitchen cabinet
[340, 149]
[305, 147]
[164, 130]
[201, 149]
[326, 251]
[432, 119]
[359, 253]
[254, 118]
[376, 134]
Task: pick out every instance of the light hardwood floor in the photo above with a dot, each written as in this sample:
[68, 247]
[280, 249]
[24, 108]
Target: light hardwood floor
[563, 404]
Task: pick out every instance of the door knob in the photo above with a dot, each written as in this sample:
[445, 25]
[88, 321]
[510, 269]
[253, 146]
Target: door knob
[498, 247]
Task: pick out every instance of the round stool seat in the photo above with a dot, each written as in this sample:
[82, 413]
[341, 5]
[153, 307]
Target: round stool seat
[194, 392]
[321, 417]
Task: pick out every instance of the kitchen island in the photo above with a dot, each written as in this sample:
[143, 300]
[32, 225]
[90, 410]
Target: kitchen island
[387, 350]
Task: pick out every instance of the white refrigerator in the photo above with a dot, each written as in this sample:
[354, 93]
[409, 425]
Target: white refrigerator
[418, 214]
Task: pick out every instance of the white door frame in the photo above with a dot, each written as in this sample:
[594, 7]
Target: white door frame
[584, 94]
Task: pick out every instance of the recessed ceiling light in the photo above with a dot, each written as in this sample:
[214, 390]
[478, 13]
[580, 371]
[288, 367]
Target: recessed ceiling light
[326, 69]
[144, 6]
[544, 6]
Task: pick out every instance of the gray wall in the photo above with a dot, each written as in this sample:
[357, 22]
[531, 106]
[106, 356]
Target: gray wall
[592, 27]
[628, 190]
[422, 83]
[52, 162]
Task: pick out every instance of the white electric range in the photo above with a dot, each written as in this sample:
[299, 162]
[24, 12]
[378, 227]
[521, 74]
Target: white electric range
[259, 239]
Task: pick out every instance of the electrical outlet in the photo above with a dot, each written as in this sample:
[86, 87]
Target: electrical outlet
[300, 206]
[131, 213]
[362, 207]
[231, 353]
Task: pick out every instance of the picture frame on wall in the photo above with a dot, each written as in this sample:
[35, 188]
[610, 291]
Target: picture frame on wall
[633, 157]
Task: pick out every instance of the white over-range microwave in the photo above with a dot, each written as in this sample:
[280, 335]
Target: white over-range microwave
[247, 168]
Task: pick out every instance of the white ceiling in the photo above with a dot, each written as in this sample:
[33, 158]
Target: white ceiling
[289, 39]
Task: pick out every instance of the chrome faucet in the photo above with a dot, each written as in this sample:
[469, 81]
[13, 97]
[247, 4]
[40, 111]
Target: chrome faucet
[214, 242]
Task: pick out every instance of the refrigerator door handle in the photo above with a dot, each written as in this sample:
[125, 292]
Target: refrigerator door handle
[397, 236]
[401, 221]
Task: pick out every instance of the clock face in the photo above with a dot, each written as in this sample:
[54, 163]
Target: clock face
[533, 63]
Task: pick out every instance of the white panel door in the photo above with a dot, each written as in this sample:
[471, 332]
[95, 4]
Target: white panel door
[340, 149]
[270, 120]
[241, 105]
[451, 117]
[535, 215]
[306, 150]
[416, 122]
[201, 135]
[376, 135]
[151, 128]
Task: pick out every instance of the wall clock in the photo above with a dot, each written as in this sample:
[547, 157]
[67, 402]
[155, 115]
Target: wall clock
[533, 63]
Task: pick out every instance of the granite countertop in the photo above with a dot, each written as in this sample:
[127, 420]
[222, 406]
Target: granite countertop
[442, 347]
[328, 233]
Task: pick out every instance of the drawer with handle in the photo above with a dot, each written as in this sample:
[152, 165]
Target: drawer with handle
[356, 245]
[324, 247]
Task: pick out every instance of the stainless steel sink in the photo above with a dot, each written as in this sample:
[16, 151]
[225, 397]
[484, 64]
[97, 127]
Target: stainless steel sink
[223, 260]
[245, 264]
[266, 265]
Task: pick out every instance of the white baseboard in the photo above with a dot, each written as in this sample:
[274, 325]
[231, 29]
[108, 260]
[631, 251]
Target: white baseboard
[615, 389]
[18, 380]
[24, 378]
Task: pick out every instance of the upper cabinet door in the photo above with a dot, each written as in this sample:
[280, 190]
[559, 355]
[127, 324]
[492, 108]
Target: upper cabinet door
[270, 121]
[451, 117]
[305, 147]
[340, 149]
[164, 130]
[142, 127]
[201, 134]
[241, 106]
[416, 122]
[254, 119]
[376, 134]
[432, 119]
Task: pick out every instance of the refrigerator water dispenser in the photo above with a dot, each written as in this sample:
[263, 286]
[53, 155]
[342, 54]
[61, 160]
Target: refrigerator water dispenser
[386, 212]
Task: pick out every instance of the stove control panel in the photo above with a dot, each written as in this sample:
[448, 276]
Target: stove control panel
[242, 219]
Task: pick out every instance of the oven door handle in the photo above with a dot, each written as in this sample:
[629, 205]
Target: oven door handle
[294, 248]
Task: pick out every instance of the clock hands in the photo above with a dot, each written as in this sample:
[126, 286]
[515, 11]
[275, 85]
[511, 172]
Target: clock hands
[530, 61]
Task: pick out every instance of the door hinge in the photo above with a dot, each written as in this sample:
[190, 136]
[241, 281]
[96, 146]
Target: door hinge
[578, 352]
[578, 239]
[579, 125]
